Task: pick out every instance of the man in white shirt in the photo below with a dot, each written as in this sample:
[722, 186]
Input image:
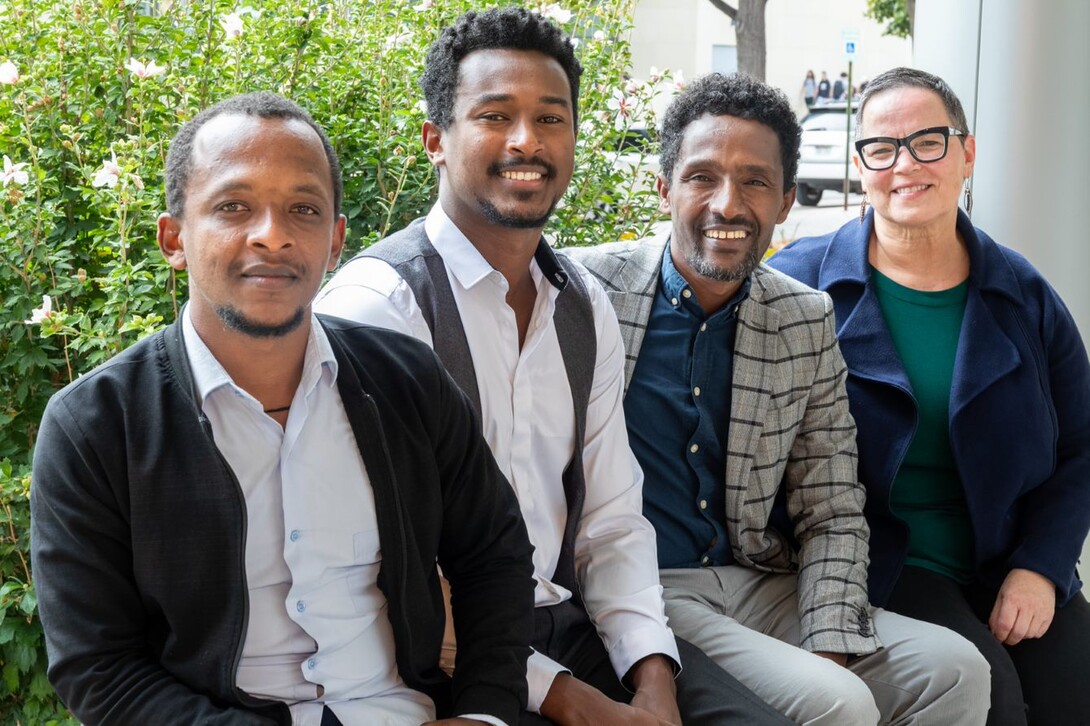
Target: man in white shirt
[237, 521]
[535, 344]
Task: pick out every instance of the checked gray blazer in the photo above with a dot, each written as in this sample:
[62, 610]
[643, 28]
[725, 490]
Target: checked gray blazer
[789, 426]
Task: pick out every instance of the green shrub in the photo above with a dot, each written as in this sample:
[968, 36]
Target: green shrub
[91, 92]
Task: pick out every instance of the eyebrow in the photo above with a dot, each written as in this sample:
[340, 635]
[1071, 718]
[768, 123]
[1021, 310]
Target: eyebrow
[701, 161]
[240, 186]
[505, 97]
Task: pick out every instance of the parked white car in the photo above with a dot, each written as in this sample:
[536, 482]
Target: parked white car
[826, 138]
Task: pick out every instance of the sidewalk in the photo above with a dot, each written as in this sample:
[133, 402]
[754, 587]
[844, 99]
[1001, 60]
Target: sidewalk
[827, 216]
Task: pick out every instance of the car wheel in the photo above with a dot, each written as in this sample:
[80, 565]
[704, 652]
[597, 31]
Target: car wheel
[808, 196]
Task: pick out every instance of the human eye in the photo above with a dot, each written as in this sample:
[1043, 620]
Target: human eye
[307, 209]
[231, 207]
[878, 150]
[553, 119]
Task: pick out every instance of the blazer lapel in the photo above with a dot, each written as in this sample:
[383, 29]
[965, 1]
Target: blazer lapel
[754, 368]
[985, 353]
[633, 296]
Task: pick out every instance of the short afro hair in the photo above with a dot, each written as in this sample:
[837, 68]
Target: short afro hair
[912, 78]
[496, 29]
[736, 95]
[261, 104]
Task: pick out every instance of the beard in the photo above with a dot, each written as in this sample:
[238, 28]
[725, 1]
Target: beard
[518, 221]
[740, 271]
[704, 267]
[236, 320]
[514, 221]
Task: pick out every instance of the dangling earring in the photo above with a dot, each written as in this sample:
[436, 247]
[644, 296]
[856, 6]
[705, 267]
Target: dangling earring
[863, 208]
[968, 198]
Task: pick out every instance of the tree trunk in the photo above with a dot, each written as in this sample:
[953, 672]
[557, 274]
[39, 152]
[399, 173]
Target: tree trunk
[749, 28]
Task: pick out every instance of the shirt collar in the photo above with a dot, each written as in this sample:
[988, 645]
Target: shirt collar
[674, 286]
[319, 362]
[467, 264]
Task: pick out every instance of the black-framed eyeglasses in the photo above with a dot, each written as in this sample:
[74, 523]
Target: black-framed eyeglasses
[926, 145]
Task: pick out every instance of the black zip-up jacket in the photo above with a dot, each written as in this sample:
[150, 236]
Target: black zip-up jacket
[139, 528]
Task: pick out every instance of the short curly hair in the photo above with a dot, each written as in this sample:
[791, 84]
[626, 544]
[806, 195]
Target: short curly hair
[261, 104]
[737, 95]
[509, 28]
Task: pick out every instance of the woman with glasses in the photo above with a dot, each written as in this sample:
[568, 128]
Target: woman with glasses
[970, 388]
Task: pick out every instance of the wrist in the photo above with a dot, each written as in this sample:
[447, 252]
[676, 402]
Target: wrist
[652, 672]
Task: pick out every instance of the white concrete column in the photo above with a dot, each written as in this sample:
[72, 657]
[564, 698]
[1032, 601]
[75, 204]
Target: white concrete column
[1022, 70]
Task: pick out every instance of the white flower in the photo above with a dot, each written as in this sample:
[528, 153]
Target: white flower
[556, 13]
[232, 25]
[14, 174]
[9, 74]
[38, 315]
[679, 79]
[599, 35]
[653, 74]
[109, 174]
[424, 5]
[621, 103]
[574, 42]
[142, 71]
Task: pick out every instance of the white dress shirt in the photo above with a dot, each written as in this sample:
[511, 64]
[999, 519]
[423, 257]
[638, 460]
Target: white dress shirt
[318, 632]
[529, 423]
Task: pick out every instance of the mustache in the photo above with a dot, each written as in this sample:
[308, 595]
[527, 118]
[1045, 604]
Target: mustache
[737, 221]
[502, 166]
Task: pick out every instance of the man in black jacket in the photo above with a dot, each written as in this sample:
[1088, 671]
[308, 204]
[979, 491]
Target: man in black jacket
[237, 520]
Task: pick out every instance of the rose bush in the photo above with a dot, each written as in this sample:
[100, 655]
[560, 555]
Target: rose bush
[91, 92]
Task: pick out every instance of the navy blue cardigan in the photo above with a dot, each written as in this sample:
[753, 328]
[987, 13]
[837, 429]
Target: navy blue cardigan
[1019, 407]
[138, 538]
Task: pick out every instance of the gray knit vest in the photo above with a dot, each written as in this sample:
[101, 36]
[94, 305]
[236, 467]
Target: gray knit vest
[412, 255]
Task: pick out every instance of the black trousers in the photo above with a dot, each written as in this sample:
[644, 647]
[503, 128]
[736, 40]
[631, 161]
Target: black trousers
[1042, 682]
[707, 695]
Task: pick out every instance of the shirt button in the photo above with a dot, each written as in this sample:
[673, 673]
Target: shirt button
[703, 327]
[294, 536]
[703, 503]
[696, 391]
[312, 663]
[694, 448]
[686, 293]
[704, 560]
[300, 606]
[673, 301]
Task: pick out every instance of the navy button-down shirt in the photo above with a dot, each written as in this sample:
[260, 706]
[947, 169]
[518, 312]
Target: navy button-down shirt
[678, 411]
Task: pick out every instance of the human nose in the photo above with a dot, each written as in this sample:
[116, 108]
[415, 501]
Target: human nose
[726, 199]
[901, 153]
[524, 138]
[270, 230]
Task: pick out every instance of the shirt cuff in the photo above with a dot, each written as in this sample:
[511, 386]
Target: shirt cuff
[639, 643]
[540, 672]
[483, 717]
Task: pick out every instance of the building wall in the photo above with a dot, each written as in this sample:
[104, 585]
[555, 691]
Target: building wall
[800, 35]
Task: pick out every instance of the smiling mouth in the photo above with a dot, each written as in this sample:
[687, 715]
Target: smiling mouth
[522, 175]
[723, 234]
[909, 190]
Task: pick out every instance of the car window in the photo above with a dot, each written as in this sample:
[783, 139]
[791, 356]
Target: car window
[826, 122]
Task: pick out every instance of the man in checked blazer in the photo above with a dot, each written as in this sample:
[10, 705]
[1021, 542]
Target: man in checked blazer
[737, 412]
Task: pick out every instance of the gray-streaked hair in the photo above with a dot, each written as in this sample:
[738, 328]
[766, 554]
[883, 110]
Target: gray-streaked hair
[913, 78]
